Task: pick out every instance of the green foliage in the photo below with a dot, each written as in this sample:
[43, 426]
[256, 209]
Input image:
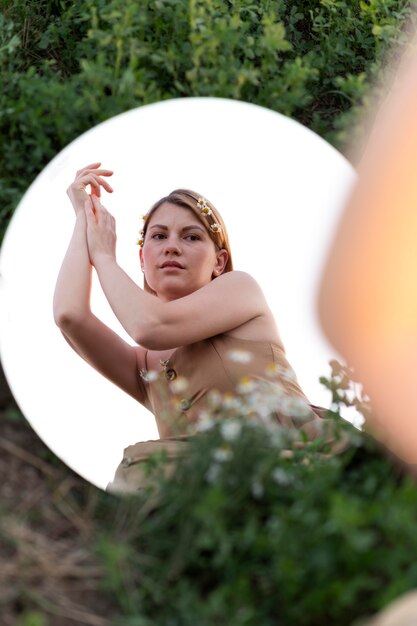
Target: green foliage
[345, 391]
[258, 526]
[246, 534]
[66, 66]
[32, 618]
[14, 414]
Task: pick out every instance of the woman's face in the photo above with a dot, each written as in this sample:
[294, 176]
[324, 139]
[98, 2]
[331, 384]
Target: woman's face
[178, 257]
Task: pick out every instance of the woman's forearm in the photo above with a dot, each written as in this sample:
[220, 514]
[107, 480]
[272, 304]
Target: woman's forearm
[73, 287]
[138, 311]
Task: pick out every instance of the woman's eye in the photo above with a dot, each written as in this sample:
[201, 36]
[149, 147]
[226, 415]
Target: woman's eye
[160, 236]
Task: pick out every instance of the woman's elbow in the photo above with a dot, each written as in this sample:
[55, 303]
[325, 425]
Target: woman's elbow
[154, 337]
[67, 319]
[150, 341]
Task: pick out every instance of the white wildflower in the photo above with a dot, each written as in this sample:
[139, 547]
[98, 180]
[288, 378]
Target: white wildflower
[214, 399]
[274, 370]
[230, 430]
[266, 399]
[281, 477]
[295, 406]
[279, 437]
[231, 402]
[179, 385]
[257, 489]
[221, 455]
[213, 473]
[150, 376]
[246, 385]
[205, 421]
[239, 356]
[201, 202]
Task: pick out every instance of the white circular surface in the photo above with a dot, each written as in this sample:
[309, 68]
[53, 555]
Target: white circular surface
[280, 189]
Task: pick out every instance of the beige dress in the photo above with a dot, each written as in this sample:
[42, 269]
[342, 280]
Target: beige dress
[217, 363]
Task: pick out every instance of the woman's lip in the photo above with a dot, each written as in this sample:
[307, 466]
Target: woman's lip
[173, 264]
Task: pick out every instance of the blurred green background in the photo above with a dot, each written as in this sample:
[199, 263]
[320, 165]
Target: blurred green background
[66, 66]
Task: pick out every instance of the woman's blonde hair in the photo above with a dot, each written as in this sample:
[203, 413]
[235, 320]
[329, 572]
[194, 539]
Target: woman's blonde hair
[213, 223]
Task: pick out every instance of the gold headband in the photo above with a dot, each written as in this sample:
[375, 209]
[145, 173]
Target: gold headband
[205, 210]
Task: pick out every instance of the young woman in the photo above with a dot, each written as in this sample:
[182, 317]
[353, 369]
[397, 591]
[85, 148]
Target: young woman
[368, 295]
[197, 322]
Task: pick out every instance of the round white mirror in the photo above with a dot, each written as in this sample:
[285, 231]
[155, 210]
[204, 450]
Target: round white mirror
[280, 189]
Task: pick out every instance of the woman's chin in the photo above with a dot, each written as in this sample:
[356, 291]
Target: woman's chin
[173, 287]
[173, 290]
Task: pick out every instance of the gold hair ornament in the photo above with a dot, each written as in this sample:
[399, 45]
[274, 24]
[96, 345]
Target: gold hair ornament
[203, 206]
[206, 211]
[141, 238]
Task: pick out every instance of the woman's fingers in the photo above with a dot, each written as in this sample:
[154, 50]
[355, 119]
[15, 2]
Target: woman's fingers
[95, 168]
[100, 211]
[92, 175]
[94, 181]
[88, 167]
[98, 181]
[102, 214]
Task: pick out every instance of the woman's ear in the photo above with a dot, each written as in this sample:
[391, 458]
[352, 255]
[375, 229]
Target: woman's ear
[141, 258]
[221, 261]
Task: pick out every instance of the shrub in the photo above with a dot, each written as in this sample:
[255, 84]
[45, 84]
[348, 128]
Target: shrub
[66, 66]
[254, 528]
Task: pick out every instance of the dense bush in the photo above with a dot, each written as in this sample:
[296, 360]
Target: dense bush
[244, 537]
[66, 66]
[255, 528]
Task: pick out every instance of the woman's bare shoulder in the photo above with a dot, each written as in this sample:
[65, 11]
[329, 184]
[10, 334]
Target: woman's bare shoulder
[241, 282]
[239, 275]
[264, 326]
[224, 304]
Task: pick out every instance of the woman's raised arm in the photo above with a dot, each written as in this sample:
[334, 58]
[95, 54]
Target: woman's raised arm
[86, 334]
[72, 292]
[223, 304]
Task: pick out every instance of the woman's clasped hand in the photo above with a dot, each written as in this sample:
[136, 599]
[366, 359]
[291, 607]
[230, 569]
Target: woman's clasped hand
[101, 225]
[101, 230]
[90, 175]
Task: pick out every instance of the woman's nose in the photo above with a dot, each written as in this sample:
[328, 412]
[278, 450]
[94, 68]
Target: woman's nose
[172, 246]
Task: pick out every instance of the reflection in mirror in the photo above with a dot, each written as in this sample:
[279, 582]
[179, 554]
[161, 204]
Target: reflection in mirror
[278, 186]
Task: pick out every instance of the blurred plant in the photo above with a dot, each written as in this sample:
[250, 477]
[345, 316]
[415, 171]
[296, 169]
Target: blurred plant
[259, 526]
[32, 618]
[346, 391]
